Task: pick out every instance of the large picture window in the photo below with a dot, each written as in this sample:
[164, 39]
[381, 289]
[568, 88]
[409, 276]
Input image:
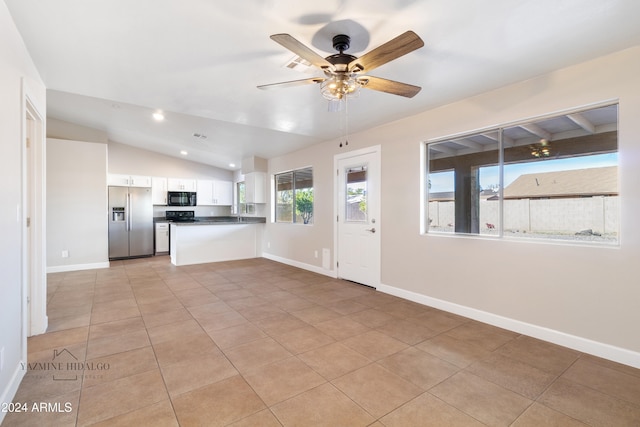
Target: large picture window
[552, 178]
[294, 196]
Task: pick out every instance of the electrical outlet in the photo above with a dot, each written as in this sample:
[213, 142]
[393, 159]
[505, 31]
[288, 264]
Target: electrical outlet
[315, 254]
[268, 245]
[65, 254]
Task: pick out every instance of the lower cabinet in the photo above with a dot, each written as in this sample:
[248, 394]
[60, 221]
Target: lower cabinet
[162, 238]
[197, 244]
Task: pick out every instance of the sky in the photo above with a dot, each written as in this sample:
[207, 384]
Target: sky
[489, 176]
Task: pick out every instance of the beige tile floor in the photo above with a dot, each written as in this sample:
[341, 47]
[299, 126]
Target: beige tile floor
[257, 343]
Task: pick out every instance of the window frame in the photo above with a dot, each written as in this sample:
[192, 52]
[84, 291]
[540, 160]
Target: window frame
[294, 216]
[425, 175]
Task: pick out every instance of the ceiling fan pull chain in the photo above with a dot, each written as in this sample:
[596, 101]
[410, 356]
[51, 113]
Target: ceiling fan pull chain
[346, 121]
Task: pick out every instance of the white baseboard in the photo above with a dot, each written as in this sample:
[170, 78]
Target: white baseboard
[77, 267]
[11, 389]
[302, 265]
[606, 351]
[39, 326]
[584, 345]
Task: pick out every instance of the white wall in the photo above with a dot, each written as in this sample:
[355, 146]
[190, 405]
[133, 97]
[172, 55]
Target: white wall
[125, 159]
[128, 160]
[580, 296]
[15, 65]
[76, 205]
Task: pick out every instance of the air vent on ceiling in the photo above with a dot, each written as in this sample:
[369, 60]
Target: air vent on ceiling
[298, 64]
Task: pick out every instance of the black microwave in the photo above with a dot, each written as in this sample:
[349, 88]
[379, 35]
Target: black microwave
[181, 198]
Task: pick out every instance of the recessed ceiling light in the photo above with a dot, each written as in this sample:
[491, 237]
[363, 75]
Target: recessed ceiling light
[183, 152]
[158, 116]
[232, 165]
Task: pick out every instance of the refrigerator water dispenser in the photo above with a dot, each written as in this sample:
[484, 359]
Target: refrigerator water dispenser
[117, 214]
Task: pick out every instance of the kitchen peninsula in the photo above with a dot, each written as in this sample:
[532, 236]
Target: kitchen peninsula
[215, 239]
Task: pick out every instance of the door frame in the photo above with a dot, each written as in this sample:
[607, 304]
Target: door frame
[33, 206]
[374, 149]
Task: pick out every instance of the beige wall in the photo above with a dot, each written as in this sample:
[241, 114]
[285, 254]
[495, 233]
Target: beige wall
[76, 205]
[580, 296]
[60, 129]
[16, 67]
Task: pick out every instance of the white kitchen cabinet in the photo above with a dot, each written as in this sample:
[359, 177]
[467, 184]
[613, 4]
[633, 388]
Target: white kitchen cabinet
[179, 184]
[214, 193]
[120, 180]
[162, 238]
[255, 187]
[159, 190]
[205, 192]
[139, 181]
[223, 193]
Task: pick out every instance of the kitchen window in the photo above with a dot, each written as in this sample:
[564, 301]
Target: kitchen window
[242, 207]
[553, 178]
[294, 196]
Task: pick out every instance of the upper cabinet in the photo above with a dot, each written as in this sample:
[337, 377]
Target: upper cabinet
[128, 180]
[255, 187]
[159, 190]
[178, 184]
[211, 193]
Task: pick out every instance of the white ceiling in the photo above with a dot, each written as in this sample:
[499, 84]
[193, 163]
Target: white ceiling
[109, 64]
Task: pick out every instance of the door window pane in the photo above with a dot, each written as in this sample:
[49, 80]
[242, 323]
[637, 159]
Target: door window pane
[356, 194]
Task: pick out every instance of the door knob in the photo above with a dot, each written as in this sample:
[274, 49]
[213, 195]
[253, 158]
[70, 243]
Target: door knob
[371, 230]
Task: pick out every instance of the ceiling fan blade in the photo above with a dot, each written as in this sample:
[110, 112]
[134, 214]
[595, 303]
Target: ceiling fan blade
[395, 48]
[389, 86]
[292, 83]
[301, 50]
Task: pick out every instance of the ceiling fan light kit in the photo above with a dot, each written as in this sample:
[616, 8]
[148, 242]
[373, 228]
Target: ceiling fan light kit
[339, 87]
[342, 71]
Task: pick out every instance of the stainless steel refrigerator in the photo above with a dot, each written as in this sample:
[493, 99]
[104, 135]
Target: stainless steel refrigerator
[130, 222]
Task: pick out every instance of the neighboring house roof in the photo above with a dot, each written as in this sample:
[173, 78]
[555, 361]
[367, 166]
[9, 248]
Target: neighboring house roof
[570, 183]
[442, 196]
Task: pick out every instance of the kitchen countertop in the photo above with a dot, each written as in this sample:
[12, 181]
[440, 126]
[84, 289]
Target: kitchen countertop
[216, 220]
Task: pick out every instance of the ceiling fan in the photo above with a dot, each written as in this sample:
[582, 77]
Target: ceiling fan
[344, 73]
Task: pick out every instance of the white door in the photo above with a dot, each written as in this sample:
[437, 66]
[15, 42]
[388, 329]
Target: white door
[358, 216]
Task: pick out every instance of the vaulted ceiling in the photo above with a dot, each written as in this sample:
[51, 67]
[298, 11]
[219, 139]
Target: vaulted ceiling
[110, 64]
